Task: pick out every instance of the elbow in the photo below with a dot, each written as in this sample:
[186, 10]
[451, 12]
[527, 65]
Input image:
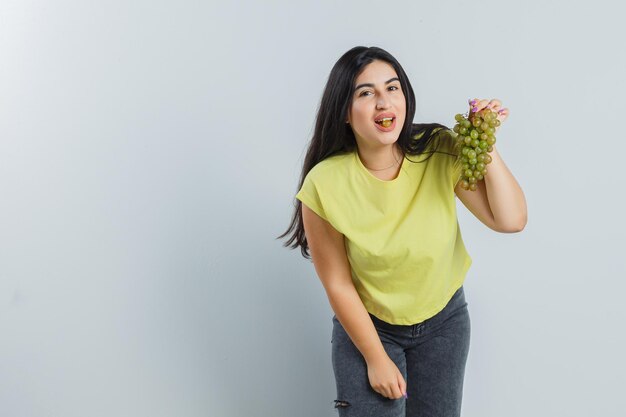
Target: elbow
[514, 227]
[522, 224]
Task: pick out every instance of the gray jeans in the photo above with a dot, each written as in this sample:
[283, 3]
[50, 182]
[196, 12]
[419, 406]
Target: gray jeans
[431, 356]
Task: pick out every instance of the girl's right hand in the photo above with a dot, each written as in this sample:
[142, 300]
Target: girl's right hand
[386, 379]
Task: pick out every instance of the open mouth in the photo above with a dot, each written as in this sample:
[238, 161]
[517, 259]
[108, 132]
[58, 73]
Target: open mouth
[385, 121]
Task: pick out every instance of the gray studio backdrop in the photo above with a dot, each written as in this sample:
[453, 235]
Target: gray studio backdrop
[149, 156]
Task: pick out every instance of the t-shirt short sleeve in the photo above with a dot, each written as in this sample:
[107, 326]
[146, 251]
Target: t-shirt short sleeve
[309, 195]
[454, 163]
[457, 170]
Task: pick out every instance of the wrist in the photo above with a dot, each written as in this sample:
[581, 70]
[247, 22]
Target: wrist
[376, 357]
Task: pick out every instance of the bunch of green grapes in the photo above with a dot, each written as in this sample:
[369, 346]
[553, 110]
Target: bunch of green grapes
[476, 136]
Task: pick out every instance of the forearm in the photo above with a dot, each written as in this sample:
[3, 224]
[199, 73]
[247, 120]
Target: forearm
[505, 196]
[356, 321]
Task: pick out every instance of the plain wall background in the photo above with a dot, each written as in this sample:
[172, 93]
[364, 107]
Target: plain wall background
[149, 156]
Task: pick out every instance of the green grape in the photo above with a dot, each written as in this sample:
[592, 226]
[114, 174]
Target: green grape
[476, 137]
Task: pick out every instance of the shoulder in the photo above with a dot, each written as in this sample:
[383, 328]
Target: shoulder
[447, 138]
[322, 183]
[433, 138]
[330, 168]
[446, 143]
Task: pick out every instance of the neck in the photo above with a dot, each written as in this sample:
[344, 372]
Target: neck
[383, 158]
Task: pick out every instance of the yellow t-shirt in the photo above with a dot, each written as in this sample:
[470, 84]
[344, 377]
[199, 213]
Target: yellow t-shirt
[402, 236]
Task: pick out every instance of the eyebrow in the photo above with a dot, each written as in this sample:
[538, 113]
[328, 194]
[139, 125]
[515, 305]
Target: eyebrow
[372, 85]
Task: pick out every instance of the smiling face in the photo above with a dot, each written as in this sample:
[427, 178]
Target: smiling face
[378, 93]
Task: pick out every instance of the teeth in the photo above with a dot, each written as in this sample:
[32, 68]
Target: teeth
[385, 121]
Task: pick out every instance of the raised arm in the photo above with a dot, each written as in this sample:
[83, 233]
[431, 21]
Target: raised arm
[499, 201]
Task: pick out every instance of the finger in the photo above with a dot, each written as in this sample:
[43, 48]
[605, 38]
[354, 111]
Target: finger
[494, 104]
[480, 105]
[495, 107]
[502, 115]
[395, 392]
[401, 384]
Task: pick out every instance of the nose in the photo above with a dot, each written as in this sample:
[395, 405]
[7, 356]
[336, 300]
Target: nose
[382, 102]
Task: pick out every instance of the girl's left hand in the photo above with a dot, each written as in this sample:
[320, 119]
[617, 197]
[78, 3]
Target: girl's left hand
[495, 105]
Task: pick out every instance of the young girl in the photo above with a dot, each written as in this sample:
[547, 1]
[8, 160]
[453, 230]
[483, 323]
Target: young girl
[377, 209]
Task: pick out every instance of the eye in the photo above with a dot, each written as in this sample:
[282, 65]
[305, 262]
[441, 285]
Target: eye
[391, 86]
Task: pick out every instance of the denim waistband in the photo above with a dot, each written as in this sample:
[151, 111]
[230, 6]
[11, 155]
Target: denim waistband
[456, 301]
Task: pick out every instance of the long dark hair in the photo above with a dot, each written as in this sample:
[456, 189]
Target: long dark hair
[332, 135]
